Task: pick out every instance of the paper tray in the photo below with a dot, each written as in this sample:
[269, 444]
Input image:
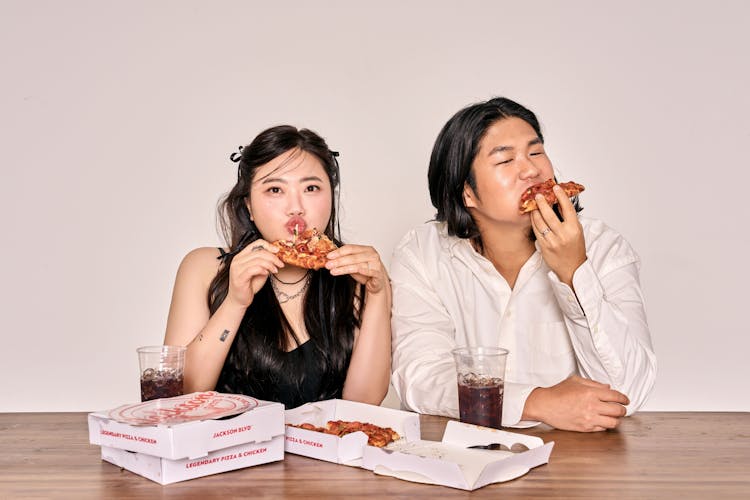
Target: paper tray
[450, 463]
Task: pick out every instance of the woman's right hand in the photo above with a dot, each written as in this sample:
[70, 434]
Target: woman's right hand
[249, 271]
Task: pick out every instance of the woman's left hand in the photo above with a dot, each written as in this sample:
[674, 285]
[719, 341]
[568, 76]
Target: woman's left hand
[362, 263]
[561, 243]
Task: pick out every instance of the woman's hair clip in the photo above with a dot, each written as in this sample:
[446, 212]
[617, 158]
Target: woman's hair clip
[237, 155]
[335, 156]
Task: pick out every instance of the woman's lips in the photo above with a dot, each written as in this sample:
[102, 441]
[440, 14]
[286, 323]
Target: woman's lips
[296, 223]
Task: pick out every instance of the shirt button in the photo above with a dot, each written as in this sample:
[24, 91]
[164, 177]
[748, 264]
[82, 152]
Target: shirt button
[509, 313]
[571, 299]
[596, 329]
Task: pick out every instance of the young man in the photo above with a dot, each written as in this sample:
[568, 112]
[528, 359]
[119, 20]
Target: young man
[560, 292]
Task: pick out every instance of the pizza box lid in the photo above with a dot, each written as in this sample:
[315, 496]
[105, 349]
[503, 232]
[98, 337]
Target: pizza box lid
[187, 426]
[346, 450]
[450, 463]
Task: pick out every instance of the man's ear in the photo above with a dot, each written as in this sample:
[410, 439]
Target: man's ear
[469, 196]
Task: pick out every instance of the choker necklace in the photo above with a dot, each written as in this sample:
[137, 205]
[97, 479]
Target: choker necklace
[284, 297]
[273, 276]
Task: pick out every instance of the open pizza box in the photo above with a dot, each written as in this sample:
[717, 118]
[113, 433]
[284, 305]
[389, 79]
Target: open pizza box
[174, 439]
[348, 449]
[451, 463]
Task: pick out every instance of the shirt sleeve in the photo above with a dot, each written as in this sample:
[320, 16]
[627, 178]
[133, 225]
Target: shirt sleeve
[606, 320]
[514, 401]
[424, 372]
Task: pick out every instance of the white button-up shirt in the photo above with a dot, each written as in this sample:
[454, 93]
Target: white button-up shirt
[446, 295]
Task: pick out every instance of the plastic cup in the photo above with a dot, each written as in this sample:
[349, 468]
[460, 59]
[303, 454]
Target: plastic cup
[162, 371]
[481, 378]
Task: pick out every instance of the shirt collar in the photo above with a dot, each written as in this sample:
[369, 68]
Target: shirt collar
[462, 249]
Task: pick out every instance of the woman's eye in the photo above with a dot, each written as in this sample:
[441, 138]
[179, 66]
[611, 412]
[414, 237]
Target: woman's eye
[312, 188]
[504, 162]
[274, 190]
[537, 153]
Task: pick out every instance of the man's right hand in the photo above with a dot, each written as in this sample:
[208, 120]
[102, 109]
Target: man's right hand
[576, 404]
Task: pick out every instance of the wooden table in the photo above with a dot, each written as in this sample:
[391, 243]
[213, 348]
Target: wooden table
[652, 455]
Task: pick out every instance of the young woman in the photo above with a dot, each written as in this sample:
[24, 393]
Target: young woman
[277, 332]
[560, 292]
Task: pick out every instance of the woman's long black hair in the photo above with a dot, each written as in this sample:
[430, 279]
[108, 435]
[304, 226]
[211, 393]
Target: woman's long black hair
[255, 362]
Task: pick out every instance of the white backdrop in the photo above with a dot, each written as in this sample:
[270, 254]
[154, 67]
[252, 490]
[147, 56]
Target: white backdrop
[118, 119]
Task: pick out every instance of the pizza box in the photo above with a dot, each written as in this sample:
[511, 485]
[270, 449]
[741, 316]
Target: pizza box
[346, 450]
[188, 426]
[165, 471]
[450, 463]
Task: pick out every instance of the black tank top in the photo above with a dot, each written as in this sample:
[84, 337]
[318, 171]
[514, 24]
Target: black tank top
[286, 391]
[293, 395]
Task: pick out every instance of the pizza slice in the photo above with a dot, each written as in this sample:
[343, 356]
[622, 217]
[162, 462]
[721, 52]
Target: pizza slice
[528, 203]
[379, 436]
[307, 250]
[376, 435]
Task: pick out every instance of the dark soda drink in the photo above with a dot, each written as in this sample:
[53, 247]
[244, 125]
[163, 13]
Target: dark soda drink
[480, 400]
[157, 384]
